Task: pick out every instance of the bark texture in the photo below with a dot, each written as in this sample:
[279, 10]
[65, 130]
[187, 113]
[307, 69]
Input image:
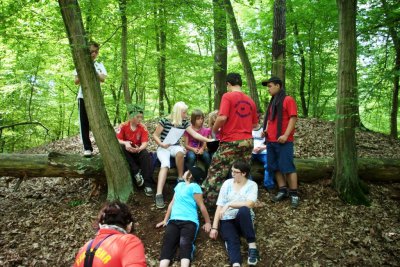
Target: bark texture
[116, 168]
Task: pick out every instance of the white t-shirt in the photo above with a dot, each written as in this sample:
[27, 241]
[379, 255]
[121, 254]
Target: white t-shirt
[227, 194]
[100, 69]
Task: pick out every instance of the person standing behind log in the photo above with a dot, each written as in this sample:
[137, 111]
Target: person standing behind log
[279, 124]
[83, 117]
[236, 119]
[133, 138]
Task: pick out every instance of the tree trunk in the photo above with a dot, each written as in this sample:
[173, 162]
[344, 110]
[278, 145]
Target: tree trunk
[220, 51]
[74, 166]
[396, 70]
[346, 180]
[124, 52]
[116, 168]
[251, 81]
[279, 40]
[161, 44]
[303, 72]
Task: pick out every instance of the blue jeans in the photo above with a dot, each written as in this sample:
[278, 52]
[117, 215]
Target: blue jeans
[269, 182]
[191, 158]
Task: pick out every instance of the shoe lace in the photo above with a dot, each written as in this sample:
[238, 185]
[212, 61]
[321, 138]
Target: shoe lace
[253, 253]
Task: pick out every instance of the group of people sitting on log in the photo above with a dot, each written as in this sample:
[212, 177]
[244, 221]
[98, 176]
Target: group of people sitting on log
[223, 185]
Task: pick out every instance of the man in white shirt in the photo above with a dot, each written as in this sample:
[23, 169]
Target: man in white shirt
[83, 118]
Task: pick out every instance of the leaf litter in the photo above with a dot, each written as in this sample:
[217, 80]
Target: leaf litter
[47, 220]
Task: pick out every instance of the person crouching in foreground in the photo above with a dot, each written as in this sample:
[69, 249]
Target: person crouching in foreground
[113, 244]
[182, 222]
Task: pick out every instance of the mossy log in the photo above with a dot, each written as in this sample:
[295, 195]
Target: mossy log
[74, 165]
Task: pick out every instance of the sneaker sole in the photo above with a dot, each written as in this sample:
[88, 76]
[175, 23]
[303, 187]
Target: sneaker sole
[252, 264]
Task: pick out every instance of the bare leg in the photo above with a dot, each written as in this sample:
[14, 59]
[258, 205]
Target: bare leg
[179, 160]
[292, 180]
[280, 179]
[162, 177]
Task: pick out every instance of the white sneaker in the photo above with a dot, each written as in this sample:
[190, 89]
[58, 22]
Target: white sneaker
[139, 179]
[87, 153]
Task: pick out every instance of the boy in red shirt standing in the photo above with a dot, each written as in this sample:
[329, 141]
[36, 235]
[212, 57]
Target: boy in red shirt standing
[133, 137]
[279, 122]
[236, 119]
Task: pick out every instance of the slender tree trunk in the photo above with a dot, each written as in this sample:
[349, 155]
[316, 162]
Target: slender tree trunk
[251, 81]
[124, 54]
[220, 51]
[346, 180]
[396, 71]
[303, 72]
[161, 44]
[116, 168]
[279, 40]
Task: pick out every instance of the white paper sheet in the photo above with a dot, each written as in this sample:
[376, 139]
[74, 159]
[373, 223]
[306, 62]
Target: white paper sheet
[173, 136]
[258, 140]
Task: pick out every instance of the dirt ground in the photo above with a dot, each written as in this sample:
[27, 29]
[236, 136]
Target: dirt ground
[46, 220]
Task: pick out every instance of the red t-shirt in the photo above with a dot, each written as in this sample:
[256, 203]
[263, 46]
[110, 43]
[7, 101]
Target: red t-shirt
[137, 137]
[241, 114]
[118, 250]
[289, 110]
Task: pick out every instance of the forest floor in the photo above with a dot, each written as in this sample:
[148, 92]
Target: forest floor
[47, 220]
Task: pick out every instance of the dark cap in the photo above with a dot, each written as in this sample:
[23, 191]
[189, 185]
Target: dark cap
[197, 173]
[134, 109]
[273, 79]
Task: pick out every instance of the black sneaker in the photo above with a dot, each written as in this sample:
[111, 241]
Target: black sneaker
[294, 201]
[280, 196]
[253, 257]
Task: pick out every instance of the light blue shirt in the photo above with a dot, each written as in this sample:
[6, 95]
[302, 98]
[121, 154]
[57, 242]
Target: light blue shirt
[227, 194]
[185, 206]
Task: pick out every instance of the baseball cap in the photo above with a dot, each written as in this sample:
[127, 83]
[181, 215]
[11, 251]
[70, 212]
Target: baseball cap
[273, 79]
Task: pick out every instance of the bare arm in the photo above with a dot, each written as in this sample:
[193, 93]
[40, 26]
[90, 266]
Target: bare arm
[167, 214]
[204, 212]
[214, 229]
[157, 135]
[292, 123]
[219, 122]
[77, 79]
[196, 135]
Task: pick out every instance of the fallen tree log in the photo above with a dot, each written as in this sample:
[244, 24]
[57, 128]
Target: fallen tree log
[74, 165]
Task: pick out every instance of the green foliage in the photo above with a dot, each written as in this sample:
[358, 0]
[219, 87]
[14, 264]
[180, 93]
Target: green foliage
[36, 68]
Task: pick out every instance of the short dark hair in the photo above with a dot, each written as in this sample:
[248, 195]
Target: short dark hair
[195, 115]
[234, 79]
[242, 166]
[95, 44]
[115, 213]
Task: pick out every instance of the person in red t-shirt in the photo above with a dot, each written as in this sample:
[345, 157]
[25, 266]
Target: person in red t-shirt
[133, 137]
[114, 245]
[236, 119]
[279, 126]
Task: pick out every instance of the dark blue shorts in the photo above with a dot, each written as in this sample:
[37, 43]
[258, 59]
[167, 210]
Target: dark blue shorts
[280, 157]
